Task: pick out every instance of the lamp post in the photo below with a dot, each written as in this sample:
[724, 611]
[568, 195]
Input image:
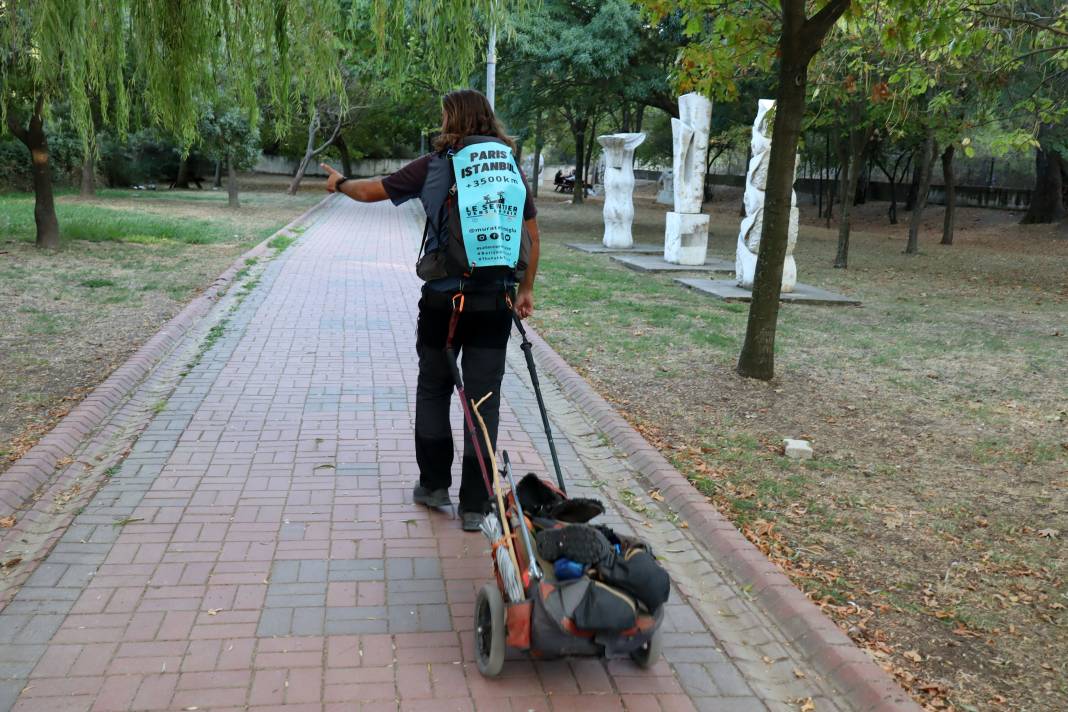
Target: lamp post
[491, 63]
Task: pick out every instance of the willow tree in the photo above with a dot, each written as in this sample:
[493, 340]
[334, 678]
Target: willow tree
[276, 54]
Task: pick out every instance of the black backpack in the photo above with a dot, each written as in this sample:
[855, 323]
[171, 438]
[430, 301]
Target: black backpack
[442, 255]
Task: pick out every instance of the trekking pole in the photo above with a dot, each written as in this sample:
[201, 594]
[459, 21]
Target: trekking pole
[527, 347]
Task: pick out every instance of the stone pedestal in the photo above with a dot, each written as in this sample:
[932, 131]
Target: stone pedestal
[686, 231]
[619, 187]
[686, 238]
[665, 189]
[752, 227]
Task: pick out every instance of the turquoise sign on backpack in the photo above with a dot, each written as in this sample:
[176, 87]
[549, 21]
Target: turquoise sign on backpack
[490, 194]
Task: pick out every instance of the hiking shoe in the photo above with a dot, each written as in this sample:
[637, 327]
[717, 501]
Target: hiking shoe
[431, 498]
[578, 542]
[472, 520]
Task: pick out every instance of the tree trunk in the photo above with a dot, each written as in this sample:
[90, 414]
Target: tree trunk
[578, 130]
[313, 128]
[757, 359]
[860, 195]
[536, 178]
[710, 159]
[799, 42]
[1047, 198]
[589, 154]
[182, 179]
[216, 181]
[914, 187]
[35, 139]
[833, 186]
[88, 186]
[626, 118]
[846, 189]
[895, 178]
[346, 158]
[823, 171]
[930, 150]
[231, 183]
[639, 115]
[853, 152]
[311, 151]
[949, 223]
[748, 157]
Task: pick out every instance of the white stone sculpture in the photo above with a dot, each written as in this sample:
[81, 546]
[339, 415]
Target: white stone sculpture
[686, 232]
[756, 181]
[665, 190]
[619, 187]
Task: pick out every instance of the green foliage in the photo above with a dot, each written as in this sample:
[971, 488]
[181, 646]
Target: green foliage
[657, 147]
[575, 63]
[226, 133]
[445, 37]
[145, 156]
[390, 127]
[272, 53]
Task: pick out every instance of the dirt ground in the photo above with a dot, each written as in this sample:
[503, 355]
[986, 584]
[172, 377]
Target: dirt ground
[69, 318]
[931, 524]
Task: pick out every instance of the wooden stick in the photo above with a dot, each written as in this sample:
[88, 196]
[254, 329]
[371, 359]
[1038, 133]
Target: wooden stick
[497, 483]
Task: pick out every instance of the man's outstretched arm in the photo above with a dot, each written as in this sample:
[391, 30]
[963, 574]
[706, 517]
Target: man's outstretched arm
[365, 190]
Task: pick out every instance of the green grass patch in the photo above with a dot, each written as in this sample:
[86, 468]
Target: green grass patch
[281, 242]
[97, 283]
[43, 323]
[94, 223]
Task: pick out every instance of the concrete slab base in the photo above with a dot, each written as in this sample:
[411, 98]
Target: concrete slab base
[657, 263]
[596, 248]
[728, 290]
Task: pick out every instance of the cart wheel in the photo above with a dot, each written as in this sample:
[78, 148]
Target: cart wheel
[646, 656]
[490, 631]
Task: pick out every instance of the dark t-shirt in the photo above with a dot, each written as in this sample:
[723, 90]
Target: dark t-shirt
[407, 183]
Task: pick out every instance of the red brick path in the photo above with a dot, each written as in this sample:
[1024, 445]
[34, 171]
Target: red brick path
[258, 549]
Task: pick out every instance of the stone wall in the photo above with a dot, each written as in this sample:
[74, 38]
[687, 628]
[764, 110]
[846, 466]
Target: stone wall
[280, 165]
[967, 196]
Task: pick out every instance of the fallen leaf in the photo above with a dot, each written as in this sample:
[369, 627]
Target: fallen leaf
[808, 705]
[1049, 533]
[214, 611]
[12, 562]
[655, 494]
[7, 522]
[914, 656]
[767, 660]
[799, 674]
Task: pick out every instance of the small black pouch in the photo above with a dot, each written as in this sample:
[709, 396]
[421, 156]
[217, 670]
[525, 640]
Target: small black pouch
[638, 573]
[605, 609]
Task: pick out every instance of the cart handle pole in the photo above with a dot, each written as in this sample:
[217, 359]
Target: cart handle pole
[532, 561]
[527, 348]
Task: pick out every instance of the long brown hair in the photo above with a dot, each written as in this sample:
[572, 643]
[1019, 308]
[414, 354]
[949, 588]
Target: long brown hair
[467, 112]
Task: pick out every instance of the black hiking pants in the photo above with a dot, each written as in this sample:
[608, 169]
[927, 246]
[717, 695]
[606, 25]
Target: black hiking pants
[480, 342]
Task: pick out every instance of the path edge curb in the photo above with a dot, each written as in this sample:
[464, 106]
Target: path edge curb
[862, 682]
[26, 479]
